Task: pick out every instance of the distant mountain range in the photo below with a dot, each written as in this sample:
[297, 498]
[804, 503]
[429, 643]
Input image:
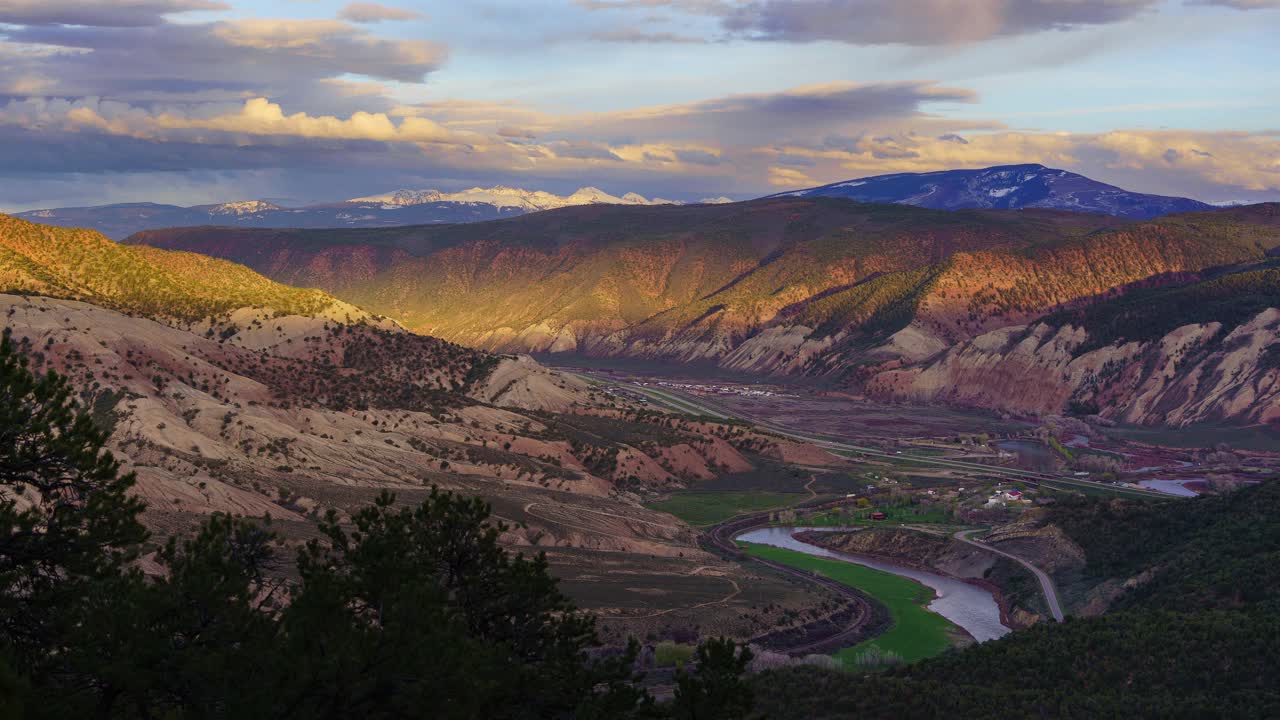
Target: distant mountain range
[398, 208]
[904, 303]
[1005, 187]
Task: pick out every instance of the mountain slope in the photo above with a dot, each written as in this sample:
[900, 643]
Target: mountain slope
[83, 265]
[294, 416]
[294, 403]
[1193, 347]
[682, 282]
[1005, 187]
[910, 303]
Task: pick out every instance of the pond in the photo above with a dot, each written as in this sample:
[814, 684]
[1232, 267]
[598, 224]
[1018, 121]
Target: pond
[1172, 487]
[1030, 455]
[968, 606]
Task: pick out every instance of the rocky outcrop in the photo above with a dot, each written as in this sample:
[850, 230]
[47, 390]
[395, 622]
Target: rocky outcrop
[1194, 374]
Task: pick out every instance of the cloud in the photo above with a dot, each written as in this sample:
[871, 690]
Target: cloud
[335, 40]
[583, 151]
[257, 117]
[698, 157]
[637, 36]
[758, 118]
[366, 12]
[99, 13]
[789, 177]
[741, 144]
[1242, 4]
[511, 131]
[884, 22]
[293, 61]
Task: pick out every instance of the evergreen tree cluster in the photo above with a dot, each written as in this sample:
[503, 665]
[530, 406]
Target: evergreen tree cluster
[395, 612]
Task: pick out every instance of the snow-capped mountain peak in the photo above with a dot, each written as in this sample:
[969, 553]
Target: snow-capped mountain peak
[241, 207]
[1004, 187]
[506, 197]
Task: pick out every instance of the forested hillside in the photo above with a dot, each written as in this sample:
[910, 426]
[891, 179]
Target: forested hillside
[1198, 636]
[84, 265]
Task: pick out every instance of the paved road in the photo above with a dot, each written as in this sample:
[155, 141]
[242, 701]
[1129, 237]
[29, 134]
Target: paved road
[1046, 582]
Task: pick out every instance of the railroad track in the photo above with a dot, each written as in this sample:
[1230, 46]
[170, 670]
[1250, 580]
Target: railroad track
[683, 402]
[865, 616]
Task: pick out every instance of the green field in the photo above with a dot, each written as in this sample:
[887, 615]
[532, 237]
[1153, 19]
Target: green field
[670, 654]
[917, 633]
[701, 509]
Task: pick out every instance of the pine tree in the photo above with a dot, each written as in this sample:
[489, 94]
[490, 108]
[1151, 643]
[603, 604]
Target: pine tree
[716, 690]
[65, 514]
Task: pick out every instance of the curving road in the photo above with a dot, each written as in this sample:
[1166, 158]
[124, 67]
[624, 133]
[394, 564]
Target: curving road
[1046, 582]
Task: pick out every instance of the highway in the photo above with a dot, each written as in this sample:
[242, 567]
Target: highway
[685, 403]
[1046, 583]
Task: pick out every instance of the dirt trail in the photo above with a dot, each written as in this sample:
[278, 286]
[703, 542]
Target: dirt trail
[737, 590]
[528, 508]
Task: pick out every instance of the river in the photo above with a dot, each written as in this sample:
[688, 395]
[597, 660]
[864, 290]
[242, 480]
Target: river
[968, 606]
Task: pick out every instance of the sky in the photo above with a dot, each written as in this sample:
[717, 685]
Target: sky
[304, 101]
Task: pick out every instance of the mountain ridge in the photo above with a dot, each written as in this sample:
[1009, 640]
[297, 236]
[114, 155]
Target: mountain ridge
[391, 209]
[1007, 187]
[820, 287]
[997, 187]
